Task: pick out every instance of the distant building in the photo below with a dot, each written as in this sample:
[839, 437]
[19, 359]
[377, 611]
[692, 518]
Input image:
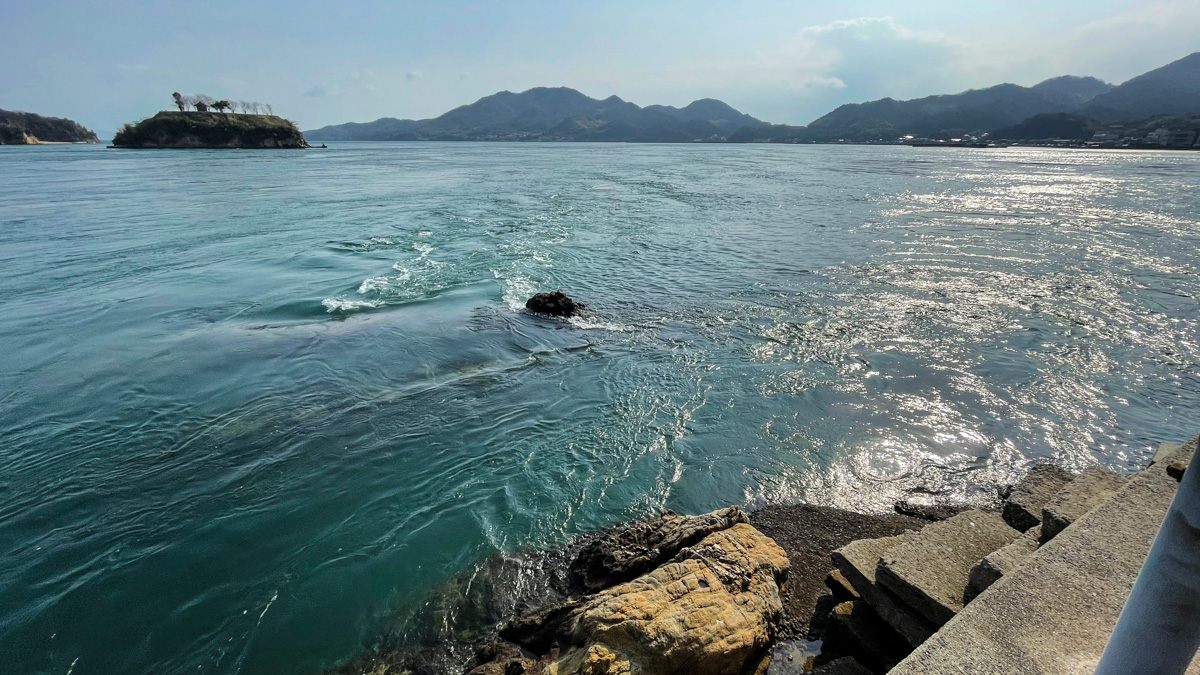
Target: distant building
[1159, 136]
[1180, 138]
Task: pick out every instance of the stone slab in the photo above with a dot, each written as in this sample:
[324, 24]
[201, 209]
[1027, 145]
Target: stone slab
[1005, 561]
[857, 562]
[929, 569]
[1055, 614]
[1023, 508]
[856, 630]
[847, 665]
[1089, 490]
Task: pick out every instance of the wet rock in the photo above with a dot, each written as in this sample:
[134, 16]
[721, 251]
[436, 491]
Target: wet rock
[554, 304]
[1023, 506]
[847, 665]
[929, 569]
[628, 551]
[1091, 489]
[928, 511]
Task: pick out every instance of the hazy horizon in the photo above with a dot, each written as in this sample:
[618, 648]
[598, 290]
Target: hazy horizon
[778, 61]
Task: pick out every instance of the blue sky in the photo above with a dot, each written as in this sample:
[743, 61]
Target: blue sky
[103, 64]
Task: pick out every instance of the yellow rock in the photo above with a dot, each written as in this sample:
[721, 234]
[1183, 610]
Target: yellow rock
[712, 610]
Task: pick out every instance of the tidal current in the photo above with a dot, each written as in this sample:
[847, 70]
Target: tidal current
[255, 405]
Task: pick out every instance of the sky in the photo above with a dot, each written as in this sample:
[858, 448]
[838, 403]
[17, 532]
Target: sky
[104, 64]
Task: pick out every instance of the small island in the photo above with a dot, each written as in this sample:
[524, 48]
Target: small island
[208, 126]
[22, 128]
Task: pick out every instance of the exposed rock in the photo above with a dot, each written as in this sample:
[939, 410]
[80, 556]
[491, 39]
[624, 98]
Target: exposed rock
[856, 630]
[847, 665]
[628, 551]
[857, 561]
[928, 570]
[809, 534]
[205, 130]
[712, 609]
[929, 511]
[1004, 561]
[1089, 490]
[1023, 507]
[554, 304]
[841, 588]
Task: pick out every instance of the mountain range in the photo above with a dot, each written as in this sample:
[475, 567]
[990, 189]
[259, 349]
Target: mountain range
[1170, 90]
[553, 113]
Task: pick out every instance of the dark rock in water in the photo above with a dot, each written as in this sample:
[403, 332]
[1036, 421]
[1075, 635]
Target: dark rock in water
[628, 551]
[931, 512]
[554, 304]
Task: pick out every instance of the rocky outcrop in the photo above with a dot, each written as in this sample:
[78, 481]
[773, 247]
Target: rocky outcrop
[554, 304]
[711, 608]
[628, 551]
[22, 128]
[210, 130]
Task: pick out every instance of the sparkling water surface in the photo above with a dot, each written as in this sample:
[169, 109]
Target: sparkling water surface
[254, 405]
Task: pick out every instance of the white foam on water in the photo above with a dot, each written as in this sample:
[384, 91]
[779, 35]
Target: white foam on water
[345, 306]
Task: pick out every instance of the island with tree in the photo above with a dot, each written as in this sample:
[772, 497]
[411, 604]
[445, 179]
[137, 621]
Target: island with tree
[202, 122]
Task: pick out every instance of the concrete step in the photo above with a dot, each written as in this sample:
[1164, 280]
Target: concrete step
[1054, 614]
[1005, 561]
[1023, 508]
[857, 562]
[929, 569]
[1094, 487]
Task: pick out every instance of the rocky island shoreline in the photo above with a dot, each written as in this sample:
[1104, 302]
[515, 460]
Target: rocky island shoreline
[196, 130]
[804, 588]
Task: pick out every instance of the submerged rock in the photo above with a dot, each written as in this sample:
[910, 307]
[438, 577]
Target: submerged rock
[554, 304]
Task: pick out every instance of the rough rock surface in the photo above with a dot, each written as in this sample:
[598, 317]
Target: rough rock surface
[1023, 508]
[929, 569]
[1005, 561]
[554, 304]
[712, 609]
[1092, 488]
[809, 534]
[628, 551]
[857, 561]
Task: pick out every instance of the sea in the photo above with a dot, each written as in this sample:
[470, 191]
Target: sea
[256, 406]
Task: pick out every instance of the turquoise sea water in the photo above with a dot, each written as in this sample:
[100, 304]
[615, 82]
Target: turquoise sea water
[255, 405]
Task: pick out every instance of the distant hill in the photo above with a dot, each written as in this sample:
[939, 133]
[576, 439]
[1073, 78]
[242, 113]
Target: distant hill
[1066, 126]
[1173, 89]
[553, 113]
[973, 110]
[22, 128]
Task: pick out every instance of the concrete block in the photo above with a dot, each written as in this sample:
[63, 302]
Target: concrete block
[841, 587]
[856, 630]
[1023, 508]
[1055, 614]
[1091, 489]
[930, 568]
[857, 562]
[1005, 561]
